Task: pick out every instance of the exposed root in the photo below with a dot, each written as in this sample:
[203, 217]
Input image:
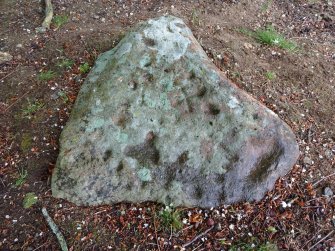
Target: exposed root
[48, 17]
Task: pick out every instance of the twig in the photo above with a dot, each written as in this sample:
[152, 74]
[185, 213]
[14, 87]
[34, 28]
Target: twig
[331, 232]
[159, 248]
[2, 182]
[197, 237]
[17, 100]
[102, 211]
[330, 175]
[55, 230]
[197, 247]
[311, 239]
[8, 74]
[185, 228]
[40, 246]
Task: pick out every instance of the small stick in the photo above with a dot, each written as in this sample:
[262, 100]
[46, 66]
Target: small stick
[197, 237]
[197, 247]
[311, 239]
[40, 246]
[8, 75]
[158, 245]
[2, 182]
[55, 230]
[330, 175]
[321, 240]
[17, 100]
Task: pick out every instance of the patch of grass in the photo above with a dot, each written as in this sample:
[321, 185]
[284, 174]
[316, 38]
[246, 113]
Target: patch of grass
[60, 20]
[236, 75]
[22, 178]
[26, 142]
[272, 230]
[29, 200]
[46, 75]
[271, 37]
[170, 218]
[254, 247]
[270, 75]
[63, 96]
[265, 6]
[84, 68]
[66, 63]
[195, 18]
[32, 108]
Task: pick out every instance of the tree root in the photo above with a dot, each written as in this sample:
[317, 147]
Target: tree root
[48, 17]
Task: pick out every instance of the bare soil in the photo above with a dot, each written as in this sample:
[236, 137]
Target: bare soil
[296, 215]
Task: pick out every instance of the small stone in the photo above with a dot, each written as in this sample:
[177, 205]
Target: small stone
[308, 161]
[248, 46]
[218, 226]
[54, 96]
[5, 232]
[210, 222]
[327, 191]
[284, 204]
[328, 154]
[5, 57]
[41, 29]
[78, 79]
[19, 46]
[96, 17]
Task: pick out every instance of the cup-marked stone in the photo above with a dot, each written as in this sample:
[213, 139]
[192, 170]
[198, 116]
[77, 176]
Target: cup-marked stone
[156, 120]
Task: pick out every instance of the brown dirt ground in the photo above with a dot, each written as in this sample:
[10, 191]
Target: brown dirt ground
[302, 93]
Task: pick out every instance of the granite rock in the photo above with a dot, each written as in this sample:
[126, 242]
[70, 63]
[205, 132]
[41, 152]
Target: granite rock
[155, 120]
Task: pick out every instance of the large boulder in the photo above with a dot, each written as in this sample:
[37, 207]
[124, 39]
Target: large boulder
[156, 121]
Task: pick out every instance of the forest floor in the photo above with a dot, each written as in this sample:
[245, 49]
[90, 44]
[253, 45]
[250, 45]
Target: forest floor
[39, 85]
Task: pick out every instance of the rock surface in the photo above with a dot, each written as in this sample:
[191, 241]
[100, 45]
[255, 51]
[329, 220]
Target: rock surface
[157, 121]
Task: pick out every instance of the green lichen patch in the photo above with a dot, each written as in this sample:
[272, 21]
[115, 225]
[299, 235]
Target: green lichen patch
[29, 200]
[26, 142]
[144, 174]
[266, 162]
